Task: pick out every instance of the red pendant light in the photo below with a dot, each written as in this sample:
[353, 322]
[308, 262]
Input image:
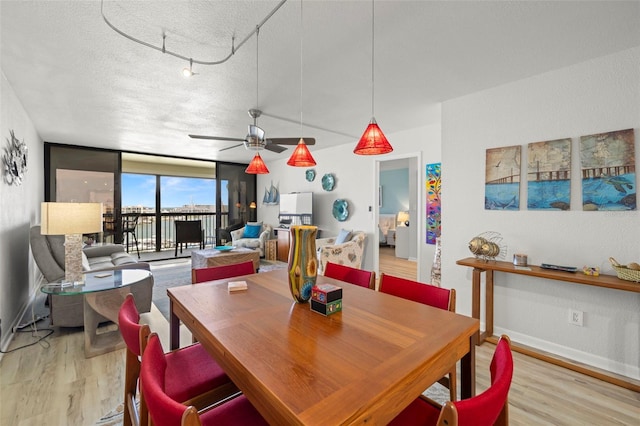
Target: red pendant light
[257, 166]
[301, 156]
[373, 141]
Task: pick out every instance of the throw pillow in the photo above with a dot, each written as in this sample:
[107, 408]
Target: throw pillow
[252, 231]
[343, 236]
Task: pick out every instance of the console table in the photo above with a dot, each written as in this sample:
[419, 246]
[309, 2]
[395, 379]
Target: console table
[488, 267]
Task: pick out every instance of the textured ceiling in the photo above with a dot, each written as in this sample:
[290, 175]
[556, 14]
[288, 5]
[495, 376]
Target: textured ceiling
[82, 83]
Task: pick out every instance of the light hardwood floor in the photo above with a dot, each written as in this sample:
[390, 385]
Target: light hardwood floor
[53, 384]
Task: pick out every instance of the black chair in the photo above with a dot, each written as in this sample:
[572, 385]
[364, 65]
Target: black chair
[189, 231]
[129, 224]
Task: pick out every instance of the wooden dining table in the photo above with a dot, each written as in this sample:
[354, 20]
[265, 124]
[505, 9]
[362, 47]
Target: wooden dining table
[364, 364]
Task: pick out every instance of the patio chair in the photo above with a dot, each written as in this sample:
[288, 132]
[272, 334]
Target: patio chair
[129, 224]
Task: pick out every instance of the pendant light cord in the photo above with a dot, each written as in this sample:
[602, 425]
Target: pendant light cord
[257, 70]
[301, 32]
[373, 35]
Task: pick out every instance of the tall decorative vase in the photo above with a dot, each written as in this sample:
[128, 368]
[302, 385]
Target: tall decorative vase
[435, 269]
[303, 264]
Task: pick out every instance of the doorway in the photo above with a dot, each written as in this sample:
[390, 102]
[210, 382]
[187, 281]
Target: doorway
[399, 180]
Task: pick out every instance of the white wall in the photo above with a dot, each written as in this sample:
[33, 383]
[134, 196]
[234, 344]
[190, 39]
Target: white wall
[596, 96]
[19, 208]
[357, 182]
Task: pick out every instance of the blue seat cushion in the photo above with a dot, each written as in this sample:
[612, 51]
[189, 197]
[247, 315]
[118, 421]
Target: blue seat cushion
[252, 231]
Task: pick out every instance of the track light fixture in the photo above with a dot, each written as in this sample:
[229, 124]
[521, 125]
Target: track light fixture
[188, 72]
[162, 49]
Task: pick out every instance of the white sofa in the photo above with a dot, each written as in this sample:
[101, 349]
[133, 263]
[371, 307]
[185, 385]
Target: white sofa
[239, 240]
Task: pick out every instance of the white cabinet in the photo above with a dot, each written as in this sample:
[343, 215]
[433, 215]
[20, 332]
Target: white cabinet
[402, 242]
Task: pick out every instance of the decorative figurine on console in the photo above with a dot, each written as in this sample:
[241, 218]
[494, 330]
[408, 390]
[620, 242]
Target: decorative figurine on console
[488, 246]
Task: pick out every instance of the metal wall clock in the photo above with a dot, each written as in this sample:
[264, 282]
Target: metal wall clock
[14, 160]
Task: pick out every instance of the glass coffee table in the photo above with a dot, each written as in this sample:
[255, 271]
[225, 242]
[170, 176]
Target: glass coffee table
[103, 293]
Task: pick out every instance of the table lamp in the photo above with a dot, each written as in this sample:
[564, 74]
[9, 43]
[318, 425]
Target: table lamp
[71, 220]
[403, 218]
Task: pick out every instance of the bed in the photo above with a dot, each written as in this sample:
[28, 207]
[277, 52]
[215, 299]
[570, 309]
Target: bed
[387, 229]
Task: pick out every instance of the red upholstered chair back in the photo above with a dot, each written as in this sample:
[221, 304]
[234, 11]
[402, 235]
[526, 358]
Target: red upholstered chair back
[162, 409]
[221, 272]
[490, 407]
[128, 322]
[418, 292]
[351, 275]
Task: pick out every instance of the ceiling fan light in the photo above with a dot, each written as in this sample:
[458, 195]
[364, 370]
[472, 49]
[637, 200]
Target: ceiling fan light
[301, 156]
[257, 166]
[373, 141]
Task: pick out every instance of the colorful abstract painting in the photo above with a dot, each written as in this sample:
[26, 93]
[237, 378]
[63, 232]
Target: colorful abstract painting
[549, 175]
[502, 178]
[608, 171]
[433, 203]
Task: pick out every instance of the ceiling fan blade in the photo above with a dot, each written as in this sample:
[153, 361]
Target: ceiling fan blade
[216, 138]
[274, 148]
[230, 147]
[292, 141]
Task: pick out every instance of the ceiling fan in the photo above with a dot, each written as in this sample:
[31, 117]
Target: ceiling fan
[255, 139]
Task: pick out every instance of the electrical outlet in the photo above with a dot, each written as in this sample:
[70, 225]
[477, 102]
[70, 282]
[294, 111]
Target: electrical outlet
[576, 317]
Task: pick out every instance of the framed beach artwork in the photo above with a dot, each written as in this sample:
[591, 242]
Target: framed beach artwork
[549, 175]
[434, 224]
[608, 171]
[502, 178]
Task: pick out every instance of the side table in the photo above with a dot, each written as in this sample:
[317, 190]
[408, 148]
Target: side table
[271, 249]
[104, 292]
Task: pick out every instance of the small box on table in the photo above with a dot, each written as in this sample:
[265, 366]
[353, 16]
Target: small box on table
[326, 308]
[326, 299]
[326, 293]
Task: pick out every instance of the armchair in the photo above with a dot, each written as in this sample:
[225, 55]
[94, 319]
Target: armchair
[349, 253]
[253, 238]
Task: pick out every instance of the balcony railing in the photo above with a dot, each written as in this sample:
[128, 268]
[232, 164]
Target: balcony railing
[147, 230]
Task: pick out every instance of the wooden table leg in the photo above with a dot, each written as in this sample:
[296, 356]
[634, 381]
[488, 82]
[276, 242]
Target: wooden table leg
[488, 313]
[174, 328]
[475, 299]
[468, 371]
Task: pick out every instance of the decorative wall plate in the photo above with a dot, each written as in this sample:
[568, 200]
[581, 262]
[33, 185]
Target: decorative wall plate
[328, 182]
[310, 175]
[15, 161]
[341, 210]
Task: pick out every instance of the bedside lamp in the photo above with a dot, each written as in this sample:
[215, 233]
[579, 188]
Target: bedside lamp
[71, 220]
[403, 218]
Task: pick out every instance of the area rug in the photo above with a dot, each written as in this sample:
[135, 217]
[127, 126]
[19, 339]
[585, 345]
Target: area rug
[178, 273]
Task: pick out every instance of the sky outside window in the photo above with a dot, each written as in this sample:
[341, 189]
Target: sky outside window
[140, 190]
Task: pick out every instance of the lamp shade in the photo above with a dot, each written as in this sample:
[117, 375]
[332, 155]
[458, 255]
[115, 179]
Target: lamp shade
[403, 217]
[301, 156]
[257, 166]
[70, 218]
[253, 205]
[373, 141]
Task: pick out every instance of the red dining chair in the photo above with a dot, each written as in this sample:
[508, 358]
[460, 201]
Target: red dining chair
[427, 294]
[165, 410]
[489, 408]
[222, 272]
[351, 275]
[190, 374]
